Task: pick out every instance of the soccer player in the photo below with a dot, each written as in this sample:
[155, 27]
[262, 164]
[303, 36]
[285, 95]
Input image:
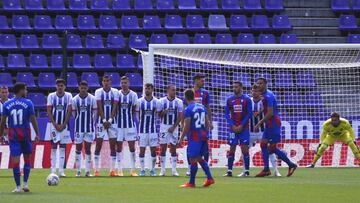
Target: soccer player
[20, 113]
[196, 128]
[171, 115]
[59, 112]
[238, 111]
[272, 131]
[148, 108]
[107, 100]
[84, 108]
[126, 125]
[336, 129]
[4, 97]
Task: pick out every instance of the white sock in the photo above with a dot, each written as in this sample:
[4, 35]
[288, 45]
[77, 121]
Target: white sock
[132, 160]
[162, 161]
[25, 184]
[62, 159]
[78, 161]
[174, 162]
[273, 161]
[119, 159]
[53, 160]
[189, 166]
[153, 162]
[113, 162]
[88, 162]
[97, 162]
[142, 163]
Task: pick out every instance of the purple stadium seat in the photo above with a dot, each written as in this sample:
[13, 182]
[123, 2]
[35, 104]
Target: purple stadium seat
[202, 39]
[74, 41]
[245, 38]
[140, 62]
[38, 61]
[151, 23]
[115, 79]
[274, 5]
[288, 39]
[159, 80]
[187, 5]
[46, 80]
[143, 5]
[28, 42]
[86, 22]
[158, 39]
[283, 79]
[55, 5]
[217, 22]
[20, 22]
[260, 22]
[177, 79]
[34, 5]
[220, 80]
[78, 5]
[6, 80]
[43, 23]
[94, 41]
[180, 39]
[92, 78]
[340, 5]
[57, 61]
[4, 23]
[347, 22]
[352, 38]
[281, 22]
[267, 39]
[275, 57]
[356, 5]
[71, 80]
[173, 22]
[169, 62]
[243, 77]
[265, 75]
[293, 99]
[305, 79]
[135, 80]
[209, 5]
[38, 99]
[223, 39]
[313, 99]
[252, 5]
[108, 22]
[165, 5]
[121, 5]
[115, 41]
[99, 5]
[238, 22]
[27, 78]
[195, 22]
[7, 41]
[50, 41]
[230, 5]
[81, 61]
[138, 41]
[125, 61]
[2, 65]
[103, 61]
[64, 22]
[12, 5]
[129, 23]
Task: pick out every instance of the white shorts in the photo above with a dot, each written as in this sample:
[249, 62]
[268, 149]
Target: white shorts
[168, 138]
[112, 132]
[148, 139]
[62, 137]
[254, 137]
[79, 138]
[126, 134]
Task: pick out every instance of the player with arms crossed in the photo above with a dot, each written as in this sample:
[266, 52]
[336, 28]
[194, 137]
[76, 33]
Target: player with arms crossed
[196, 128]
[272, 132]
[336, 129]
[238, 111]
[107, 100]
[148, 108]
[126, 125]
[171, 115]
[20, 113]
[84, 108]
[59, 112]
[4, 97]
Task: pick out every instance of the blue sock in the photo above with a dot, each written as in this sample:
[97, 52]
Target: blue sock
[230, 161]
[206, 157]
[26, 171]
[193, 171]
[204, 165]
[265, 156]
[16, 172]
[283, 157]
[246, 158]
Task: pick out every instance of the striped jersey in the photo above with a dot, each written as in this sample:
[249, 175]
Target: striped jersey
[197, 114]
[84, 113]
[59, 106]
[173, 107]
[269, 101]
[127, 103]
[238, 110]
[148, 111]
[202, 96]
[107, 98]
[257, 108]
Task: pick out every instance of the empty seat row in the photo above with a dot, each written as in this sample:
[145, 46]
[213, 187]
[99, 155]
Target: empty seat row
[344, 5]
[347, 23]
[142, 5]
[149, 22]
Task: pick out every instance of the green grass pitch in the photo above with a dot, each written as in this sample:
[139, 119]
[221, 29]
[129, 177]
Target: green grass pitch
[307, 185]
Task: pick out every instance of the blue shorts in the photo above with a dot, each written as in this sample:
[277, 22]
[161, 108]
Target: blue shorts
[197, 149]
[272, 134]
[20, 147]
[242, 138]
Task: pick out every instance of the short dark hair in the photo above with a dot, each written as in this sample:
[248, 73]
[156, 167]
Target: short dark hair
[238, 83]
[83, 83]
[335, 115]
[124, 77]
[189, 94]
[149, 85]
[263, 79]
[19, 86]
[106, 76]
[198, 76]
[60, 81]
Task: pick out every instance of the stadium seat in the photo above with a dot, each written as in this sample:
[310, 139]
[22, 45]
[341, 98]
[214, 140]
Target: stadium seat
[43, 23]
[217, 22]
[275, 57]
[108, 22]
[238, 22]
[288, 39]
[103, 61]
[129, 23]
[121, 5]
[274, 5]
[177, 79]
[283, 79]
[99, 5]
[20, 22]
[173, 22]
[86, 23]
[64, 22]
[136, 80]
[140, 62]
[340, 5]
[356, 5]
[38, 61]
[293, 99]
[165, 5]
[12, 5]
[72, 80]
[6, 80]
[29, 42]
[38, 99]
[81, 61]
[265, 75]
[230, 5]
[158, 39]
[2, 64]
[347, 23]
[78, 5]
[143, 5]
[74, 41]
[160, 81]
[4, 23]
[223, 39]
[94, 41]
[7, 41]
[244, 78]
[281, 22]
[115, 41]
[169, 62]
[305, 79]
[313, 99]
[187, 5]
[27, 78]
[245, 38]
[353, 38]
[209, 5]
[180, 39]
[260, 22]
[267, 39]
[34, 5]
[195, 22]
[125, 61]
[202, 39]
[151, 23]
[46, 80]
[55, 5]
[138, 41]
[57, 61]
[50, 41]
[115, 79]
[92, 78]
[252, 5]
[220, 80]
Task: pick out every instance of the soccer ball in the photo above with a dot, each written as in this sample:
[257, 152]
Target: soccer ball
[53, 180]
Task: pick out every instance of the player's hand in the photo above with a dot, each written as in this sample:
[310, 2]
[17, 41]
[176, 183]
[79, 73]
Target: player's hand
[171, 129]
[257, 126]
[234, 128]
[58, 128]
[107, 125]
[256, 113]
[239, 128]
[37, 138]
[62, 127]
[211, 126]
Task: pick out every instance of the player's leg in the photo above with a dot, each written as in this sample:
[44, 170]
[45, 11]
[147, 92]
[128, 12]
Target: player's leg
[119, 148]
[132, 158]
[15, 152]
[99, 142]
[204, 164]
[244, 138]
[274, 164]
[273, 149]
[233, 142]
[153, 160]
[347, 139]
[329, 140]
[194, 154]
[87, 158]
[173, 159]
[27, 167]
[142, 160]
[163, 148]
[265, 156]
[113, 158]
[78, 158]
[53, 156]
[62, 154]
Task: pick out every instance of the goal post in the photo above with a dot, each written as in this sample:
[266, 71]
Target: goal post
[309, 80]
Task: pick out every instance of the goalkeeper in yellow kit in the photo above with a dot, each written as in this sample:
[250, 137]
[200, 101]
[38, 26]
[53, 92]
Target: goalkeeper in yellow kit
[336, 129]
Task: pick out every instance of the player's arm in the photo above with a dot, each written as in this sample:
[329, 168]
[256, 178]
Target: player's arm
[269, 114]
[350, 130]
[2, 125]
[49, 109]
[208, 109]
[100, 110]
[115, 107]
[228, 116]
[185, 130]
[35, 126]
[249, 112]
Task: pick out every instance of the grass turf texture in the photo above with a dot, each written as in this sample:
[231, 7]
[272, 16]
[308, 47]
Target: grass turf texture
[307, 185]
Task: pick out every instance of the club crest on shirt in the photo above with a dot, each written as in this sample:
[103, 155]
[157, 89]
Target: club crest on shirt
[107, 102]
[237, 108]
[124, 105]
[148, 112]
[83, 108]
[60, 107]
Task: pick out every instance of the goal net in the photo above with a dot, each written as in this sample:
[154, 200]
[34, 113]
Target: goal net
[309, 81]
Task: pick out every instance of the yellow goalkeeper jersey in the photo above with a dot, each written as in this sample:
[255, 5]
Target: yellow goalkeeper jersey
[341, 129]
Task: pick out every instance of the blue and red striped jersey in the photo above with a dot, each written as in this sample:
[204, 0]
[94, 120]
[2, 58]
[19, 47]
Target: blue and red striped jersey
[202, 96]
[196, 113]
[238, 110]
[269, 101]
